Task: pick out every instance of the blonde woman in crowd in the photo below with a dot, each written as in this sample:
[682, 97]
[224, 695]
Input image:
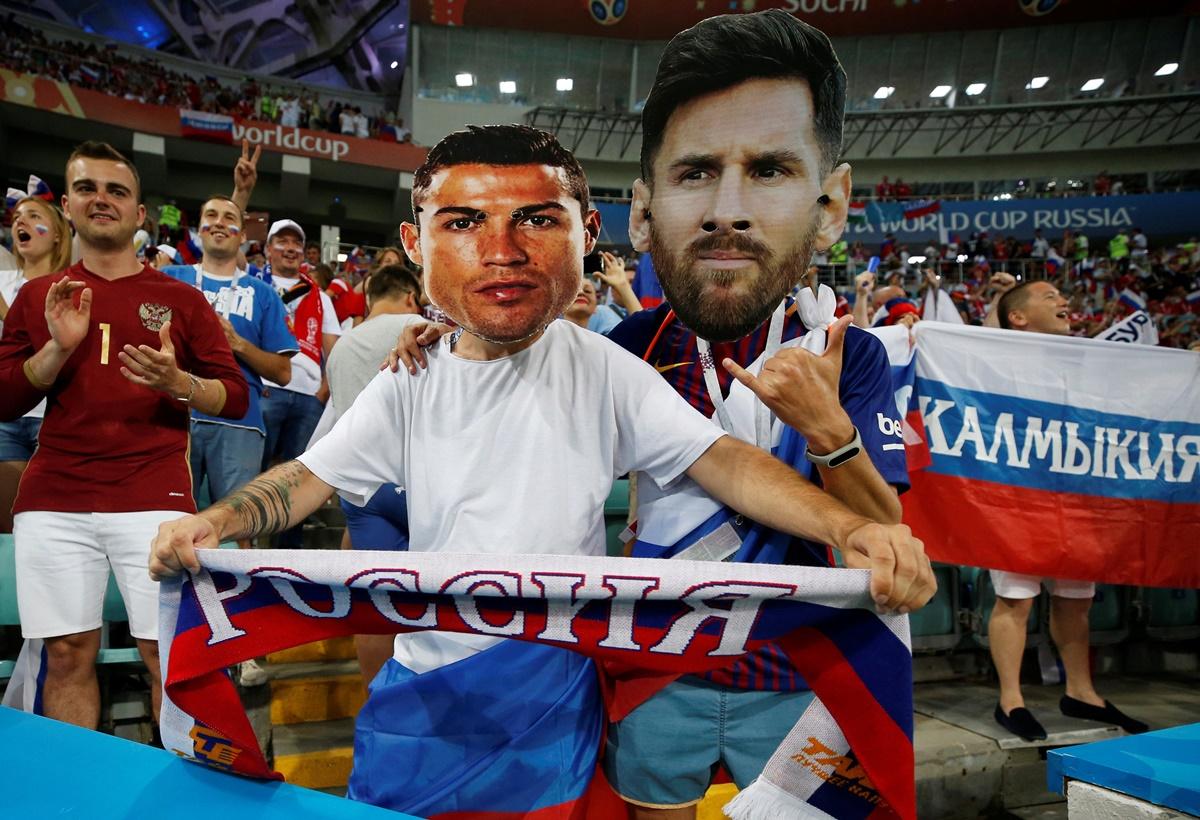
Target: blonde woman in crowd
[41, 246]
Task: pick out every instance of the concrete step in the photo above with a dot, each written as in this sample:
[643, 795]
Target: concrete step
[315, 692]
[332, 649]
[315, 755]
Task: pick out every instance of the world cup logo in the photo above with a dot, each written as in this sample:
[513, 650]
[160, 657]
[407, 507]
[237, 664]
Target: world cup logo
[607, 12]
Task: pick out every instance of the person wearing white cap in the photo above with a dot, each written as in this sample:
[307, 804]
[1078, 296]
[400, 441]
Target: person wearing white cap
[291, 413]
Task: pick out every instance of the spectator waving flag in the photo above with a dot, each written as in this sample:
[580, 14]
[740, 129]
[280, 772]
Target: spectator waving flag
[645, 621]
[1057, 456]
[856, 214]
[201, 125]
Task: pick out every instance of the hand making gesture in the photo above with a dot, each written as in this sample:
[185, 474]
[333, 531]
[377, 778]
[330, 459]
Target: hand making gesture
[801, 388]
[245, 174]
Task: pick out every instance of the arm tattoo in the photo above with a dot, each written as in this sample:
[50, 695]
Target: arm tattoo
[264, 506]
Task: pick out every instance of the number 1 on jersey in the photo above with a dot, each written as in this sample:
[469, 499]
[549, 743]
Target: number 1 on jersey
[105, 333]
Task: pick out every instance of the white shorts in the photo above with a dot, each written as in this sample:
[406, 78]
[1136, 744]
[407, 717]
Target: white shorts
[1016, 585]
[63, 561]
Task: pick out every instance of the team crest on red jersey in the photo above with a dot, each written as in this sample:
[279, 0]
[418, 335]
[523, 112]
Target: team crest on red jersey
[154, 316]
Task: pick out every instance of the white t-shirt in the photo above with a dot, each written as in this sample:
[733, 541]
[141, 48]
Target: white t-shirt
[362, 126]
[306, 374]
[510, 456]
[11, 282]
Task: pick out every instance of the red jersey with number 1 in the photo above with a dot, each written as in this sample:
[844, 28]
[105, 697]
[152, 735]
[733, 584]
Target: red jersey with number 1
[107, 444]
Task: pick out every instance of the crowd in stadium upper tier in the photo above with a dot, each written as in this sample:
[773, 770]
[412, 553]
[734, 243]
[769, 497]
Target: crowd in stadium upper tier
[108, 71]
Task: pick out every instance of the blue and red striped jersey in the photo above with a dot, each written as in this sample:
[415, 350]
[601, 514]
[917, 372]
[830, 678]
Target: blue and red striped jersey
[866, 392]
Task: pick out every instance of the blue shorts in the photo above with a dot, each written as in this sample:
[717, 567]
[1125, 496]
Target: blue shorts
[665, 753]
[18, 439]
[229, 457]
[382, 524]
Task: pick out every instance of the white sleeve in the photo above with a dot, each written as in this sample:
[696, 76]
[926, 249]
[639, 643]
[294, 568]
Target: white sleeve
[657, 431]
[365, 448]
[329, 320]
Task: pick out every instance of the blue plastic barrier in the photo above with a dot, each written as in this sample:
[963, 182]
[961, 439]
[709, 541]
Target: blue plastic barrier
[1160, 767]
[52, 769]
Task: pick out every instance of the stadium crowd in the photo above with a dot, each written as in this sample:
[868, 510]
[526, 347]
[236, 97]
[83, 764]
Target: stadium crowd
[1101, 288]
[108, 71]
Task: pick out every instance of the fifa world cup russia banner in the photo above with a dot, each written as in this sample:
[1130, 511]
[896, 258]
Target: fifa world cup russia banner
[1097, 217]
[1058, 456]
[644, 621]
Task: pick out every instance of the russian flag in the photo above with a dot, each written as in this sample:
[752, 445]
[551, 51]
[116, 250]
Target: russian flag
[1193, 298]
[38, 187]
[645, 283]
[1062, 458]
[200, 125]
[24, 689]
[188, 249]
[1054, 261]
[922, 207]
[91, 72]
[539, 705]
[1132, 300]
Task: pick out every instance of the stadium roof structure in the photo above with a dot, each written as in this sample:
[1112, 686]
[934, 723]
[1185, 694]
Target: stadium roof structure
[350, 43]
[937, 132]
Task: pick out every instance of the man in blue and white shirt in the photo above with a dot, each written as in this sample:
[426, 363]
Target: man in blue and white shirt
[229, 453]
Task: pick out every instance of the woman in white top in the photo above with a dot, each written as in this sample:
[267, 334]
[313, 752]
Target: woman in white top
[41, 246]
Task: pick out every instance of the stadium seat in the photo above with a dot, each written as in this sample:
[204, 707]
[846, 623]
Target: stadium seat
[114, 612]
[935, 627]
[1109, 616]
[616, 515]
[978, 598]
[9, 616]
[1172, 614]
